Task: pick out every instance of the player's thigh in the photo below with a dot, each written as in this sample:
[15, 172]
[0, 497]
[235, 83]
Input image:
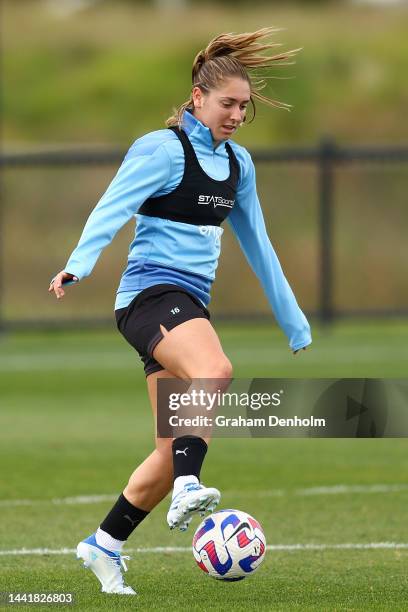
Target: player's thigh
[193, 350]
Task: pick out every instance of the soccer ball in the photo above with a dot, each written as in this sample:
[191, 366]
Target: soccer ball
[229, 545]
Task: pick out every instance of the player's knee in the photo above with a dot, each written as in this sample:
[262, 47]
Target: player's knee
[223, 369]
[220, 368]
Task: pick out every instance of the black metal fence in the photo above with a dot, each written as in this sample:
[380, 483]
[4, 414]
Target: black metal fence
[326, 157]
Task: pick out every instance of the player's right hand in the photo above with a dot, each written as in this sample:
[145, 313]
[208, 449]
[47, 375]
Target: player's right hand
[58, 281]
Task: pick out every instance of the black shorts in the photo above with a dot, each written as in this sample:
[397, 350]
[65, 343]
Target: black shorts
[167, 305]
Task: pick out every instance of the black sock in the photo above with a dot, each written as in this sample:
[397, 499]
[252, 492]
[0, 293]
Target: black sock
[122, 519]
[188, 455]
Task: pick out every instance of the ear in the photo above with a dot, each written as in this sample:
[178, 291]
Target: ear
[197, 96]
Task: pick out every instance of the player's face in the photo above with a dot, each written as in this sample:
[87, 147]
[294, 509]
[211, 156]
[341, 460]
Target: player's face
[222, 109]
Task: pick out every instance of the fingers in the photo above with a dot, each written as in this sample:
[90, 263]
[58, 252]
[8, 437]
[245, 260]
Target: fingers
[51, 287]
[56, 286]
[57, 282]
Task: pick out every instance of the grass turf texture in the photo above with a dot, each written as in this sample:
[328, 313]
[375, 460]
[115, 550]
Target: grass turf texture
[75, 421]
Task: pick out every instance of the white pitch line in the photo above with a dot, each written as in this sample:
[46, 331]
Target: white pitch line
[59, 361]
[85, 499]
[331, 490]
[341, 489]
[311, 491]
[184, 549]
[123, 358]
[69, 501]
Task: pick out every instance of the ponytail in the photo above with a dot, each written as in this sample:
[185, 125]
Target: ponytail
[235, 55]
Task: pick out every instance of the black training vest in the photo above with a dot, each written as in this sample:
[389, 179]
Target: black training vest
[198, 199]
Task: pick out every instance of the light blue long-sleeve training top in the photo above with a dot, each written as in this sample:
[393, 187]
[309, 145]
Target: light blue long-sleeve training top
[165, 251]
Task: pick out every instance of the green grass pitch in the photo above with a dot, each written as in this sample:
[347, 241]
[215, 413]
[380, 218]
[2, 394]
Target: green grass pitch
[75, 421]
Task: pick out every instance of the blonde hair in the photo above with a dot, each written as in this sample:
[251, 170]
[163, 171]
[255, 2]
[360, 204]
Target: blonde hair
[235, 55]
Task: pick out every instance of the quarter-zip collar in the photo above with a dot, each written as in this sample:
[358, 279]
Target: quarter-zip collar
[200, 133]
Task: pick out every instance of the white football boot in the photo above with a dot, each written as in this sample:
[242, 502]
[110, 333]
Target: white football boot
[193, 498]
[106, 565]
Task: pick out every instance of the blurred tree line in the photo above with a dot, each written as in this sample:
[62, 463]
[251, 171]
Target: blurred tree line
[110, 70]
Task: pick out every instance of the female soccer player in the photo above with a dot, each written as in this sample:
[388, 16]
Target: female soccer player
[181, 183]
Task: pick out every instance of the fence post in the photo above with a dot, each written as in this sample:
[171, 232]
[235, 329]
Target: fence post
[327, 152]
[2, 264]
